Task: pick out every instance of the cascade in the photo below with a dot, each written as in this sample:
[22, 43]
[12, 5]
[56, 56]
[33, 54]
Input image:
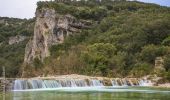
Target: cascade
[95, 82]
[81, 83]
[20, 85]
[35, 84]
[114, 82]
[50, 84]
[124, 82]
[129, 82]
[43, 84]
[144, 82]
[73, 83]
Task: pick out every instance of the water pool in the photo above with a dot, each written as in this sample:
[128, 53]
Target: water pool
[91, 93]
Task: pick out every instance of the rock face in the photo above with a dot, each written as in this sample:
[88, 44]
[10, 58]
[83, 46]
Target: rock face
[159, 65]
[50, 29]
[159, 62]
[16, 39]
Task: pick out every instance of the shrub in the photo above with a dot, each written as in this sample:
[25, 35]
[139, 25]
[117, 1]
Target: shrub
[141, 69]
[167, 62]
[150, 52]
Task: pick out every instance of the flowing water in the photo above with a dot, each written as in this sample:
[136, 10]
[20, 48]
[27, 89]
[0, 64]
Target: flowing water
[85, 89]
[43, 84]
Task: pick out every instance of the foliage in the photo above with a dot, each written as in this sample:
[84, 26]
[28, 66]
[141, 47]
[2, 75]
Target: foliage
[12, 56]
[98, 57]
[150, 52]
[167, 62]
[12, 27]
[166, 41]
[168, 76]
[141, 69]
[124, 40]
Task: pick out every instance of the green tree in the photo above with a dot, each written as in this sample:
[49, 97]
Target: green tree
[167, 62]
[98, 55]
[150, 52]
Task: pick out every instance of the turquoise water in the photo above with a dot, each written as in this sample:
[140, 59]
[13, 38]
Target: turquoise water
[92, 93]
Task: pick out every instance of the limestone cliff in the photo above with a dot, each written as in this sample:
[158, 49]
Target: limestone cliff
[50, 29]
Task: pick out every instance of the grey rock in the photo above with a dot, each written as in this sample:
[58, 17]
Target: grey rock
[50, 29]
[16, 39]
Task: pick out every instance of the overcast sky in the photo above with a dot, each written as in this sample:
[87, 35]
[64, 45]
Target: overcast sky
[26, 8]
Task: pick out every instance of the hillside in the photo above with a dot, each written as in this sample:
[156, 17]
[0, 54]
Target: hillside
[14, 35]
[108, 38]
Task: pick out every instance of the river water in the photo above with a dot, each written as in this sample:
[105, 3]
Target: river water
[91, 93]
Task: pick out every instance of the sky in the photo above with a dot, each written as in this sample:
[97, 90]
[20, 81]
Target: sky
[26, 8]
[160, 2]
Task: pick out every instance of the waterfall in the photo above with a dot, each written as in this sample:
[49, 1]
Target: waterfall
[44, 84]
[20, 85]
[35, 84]
[145, 82]
[124, 82]
[131, 82]
[114, 82]
[51, 84]
[73, 83]
[119, 82]
[81, 83]
[68, 83]
[95, 82]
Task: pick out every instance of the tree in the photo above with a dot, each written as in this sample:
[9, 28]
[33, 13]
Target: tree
[150, 52]
[167, 62]
[166, 41]
[97, 56]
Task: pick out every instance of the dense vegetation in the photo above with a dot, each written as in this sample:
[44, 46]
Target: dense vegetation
[124, 40]
[11, 56]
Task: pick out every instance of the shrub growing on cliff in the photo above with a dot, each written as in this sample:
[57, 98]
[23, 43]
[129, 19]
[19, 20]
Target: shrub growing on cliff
[37, 64]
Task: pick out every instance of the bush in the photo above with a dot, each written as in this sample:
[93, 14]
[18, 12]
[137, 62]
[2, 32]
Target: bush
[141, 69]
[97, 56]
[37, 64]
[167, 62]
[150, 52]
[166, 41]
[168, 76]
